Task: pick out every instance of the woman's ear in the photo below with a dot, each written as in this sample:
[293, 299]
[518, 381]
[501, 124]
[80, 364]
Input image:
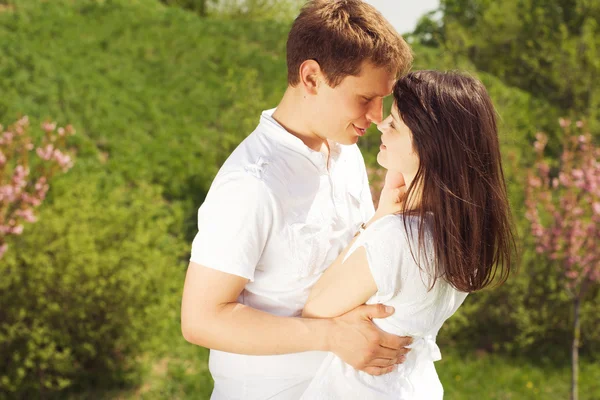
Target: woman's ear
[310, 76]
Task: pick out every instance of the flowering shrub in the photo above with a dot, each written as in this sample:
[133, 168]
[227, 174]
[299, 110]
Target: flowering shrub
[24, 182]
[563, 206]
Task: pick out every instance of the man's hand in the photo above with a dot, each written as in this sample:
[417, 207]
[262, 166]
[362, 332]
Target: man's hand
[360, 343]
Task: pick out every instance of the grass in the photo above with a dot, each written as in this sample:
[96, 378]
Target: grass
[489, 376]
[180, 371]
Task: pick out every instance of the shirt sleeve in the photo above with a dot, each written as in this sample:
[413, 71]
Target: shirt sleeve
[367, 208]
[233, 225]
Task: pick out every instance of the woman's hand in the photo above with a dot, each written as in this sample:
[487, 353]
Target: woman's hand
[392, 195]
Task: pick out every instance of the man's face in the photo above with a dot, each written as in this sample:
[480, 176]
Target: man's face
[344, 113]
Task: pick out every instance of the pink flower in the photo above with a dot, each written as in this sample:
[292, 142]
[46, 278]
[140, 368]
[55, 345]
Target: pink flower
[46, 152]
[49, 126]
[63, 160]
[564, 122]
[535, 182]
[596, 208]
[3, 248]
[544, 169]
[24, 121]
[577, 174]
[26, 214]
[8, 137]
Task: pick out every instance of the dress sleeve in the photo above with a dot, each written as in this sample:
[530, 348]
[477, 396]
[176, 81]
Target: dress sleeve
[233, 225]
[389, 256]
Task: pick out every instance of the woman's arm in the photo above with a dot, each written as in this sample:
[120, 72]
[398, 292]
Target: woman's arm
[212, 317]
[347, 284]
[343, 287]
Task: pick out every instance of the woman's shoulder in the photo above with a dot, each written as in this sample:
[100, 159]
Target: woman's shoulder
[409, 224]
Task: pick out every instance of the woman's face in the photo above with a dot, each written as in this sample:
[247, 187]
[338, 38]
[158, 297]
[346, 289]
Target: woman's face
[396, 151]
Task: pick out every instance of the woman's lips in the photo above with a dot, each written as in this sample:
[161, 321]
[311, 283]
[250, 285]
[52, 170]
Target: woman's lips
[359, 131]
[382, 147]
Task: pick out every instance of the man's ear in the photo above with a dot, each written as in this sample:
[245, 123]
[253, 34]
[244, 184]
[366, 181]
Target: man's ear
[310, 76]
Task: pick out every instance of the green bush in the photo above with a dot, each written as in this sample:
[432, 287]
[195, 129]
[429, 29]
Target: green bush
[85, 288]
[159, 98]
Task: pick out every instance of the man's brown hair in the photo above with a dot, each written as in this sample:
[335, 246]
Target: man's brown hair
[340, 35]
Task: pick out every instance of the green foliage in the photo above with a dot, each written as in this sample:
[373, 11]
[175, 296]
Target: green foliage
[159, 98]
[526, 44]
[83, 291]
[157, 94]
[548, 48]
[198, 6]
[274, 10]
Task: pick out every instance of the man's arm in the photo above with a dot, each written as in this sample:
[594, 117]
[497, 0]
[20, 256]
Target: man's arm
[211, 317]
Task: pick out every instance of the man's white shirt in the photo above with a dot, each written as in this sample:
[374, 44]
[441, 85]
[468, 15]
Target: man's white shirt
[278, 215]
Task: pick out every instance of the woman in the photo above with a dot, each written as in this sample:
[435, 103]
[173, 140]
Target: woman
[445, 232]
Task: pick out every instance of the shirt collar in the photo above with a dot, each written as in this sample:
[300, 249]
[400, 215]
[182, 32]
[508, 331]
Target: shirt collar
[279, 134]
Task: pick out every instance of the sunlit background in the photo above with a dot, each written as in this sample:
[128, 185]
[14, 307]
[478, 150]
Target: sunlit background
[95, 238]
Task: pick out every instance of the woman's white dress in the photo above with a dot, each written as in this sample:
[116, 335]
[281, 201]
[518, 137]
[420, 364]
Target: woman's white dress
[419, 313]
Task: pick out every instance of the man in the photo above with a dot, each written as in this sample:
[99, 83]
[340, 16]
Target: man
[284, 204]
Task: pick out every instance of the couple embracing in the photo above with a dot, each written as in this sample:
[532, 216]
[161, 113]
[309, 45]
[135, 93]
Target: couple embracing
[300, 288]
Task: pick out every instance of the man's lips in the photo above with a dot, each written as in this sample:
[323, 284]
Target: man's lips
[359, 131]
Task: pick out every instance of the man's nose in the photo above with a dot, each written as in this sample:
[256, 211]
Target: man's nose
[375, 112]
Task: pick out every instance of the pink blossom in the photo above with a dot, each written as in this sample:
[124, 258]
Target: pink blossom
[31, 200]
[544, 169]
[46, 152]
[26, 214]
[63, 160]
[8, 137]
[24, 121]
[22, 192]
[49, 126]
[564, 122]
[567, 234]
[535, 181]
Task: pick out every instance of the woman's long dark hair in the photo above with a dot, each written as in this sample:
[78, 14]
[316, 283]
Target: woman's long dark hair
[464, 199]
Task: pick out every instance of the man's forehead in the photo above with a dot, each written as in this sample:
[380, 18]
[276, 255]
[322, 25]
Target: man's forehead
[375, 81]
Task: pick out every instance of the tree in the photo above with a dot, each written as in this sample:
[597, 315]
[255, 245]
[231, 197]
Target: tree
[548, 48]
[563, 206]
[24, 182]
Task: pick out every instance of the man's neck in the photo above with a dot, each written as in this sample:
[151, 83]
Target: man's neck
[291, 114]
